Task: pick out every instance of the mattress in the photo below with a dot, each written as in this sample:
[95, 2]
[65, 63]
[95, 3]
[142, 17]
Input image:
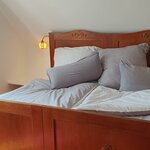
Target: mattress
[86, 97]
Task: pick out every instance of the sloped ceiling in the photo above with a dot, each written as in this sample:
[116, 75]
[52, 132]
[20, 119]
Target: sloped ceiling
[42, 16]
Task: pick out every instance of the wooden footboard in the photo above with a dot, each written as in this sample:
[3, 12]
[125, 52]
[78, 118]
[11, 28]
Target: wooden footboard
[29, 127]
[71, 130]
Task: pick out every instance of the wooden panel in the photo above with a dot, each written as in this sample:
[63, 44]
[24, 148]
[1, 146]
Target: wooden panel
[126, 140]
[73, 135]
[64, 131]
[67, 129]
[61, 43]
[29, 127]
[86, 38]
[20, 127]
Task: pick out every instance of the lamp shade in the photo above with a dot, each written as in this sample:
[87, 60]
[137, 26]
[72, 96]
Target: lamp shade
[42, 45]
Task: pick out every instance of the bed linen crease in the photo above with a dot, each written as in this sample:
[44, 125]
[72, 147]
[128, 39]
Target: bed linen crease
[112, 101]
[39, 92]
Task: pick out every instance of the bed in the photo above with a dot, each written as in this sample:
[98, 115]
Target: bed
[34, 126]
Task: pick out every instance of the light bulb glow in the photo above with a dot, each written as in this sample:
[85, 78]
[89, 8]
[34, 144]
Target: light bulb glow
[42, 45]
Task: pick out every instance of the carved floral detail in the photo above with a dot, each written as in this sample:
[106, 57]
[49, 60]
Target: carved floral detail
[146, 36]
[106, 147]
[79, 35]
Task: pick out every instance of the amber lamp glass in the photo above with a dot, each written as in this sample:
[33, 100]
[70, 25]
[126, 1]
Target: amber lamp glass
[43, 44]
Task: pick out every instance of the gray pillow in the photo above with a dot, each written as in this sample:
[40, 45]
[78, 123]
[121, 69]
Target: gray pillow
[110, 59]
[85, 70]
[134, 78]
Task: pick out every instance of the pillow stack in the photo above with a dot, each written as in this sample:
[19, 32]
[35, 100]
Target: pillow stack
[89, 63]
[110, 59]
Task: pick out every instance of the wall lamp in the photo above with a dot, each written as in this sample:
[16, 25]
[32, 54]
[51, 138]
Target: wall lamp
[42, 43]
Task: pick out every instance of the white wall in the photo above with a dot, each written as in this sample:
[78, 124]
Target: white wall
[20, 58]
[31, 19]
[11, 53]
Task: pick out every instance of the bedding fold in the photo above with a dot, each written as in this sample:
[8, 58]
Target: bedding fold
[39, 92]
[112, 101]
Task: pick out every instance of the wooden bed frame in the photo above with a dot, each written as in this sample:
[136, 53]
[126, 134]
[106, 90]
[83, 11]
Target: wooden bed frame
[34, 127]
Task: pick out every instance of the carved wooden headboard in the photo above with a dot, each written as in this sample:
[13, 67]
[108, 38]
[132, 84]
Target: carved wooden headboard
[87, 38]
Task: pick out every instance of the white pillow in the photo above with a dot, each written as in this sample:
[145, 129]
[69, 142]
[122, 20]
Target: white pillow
[68, 55]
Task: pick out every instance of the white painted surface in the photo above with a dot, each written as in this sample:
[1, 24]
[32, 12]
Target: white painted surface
[12, 56]
[41, 16]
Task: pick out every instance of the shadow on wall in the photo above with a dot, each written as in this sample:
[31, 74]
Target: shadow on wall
[20, 58]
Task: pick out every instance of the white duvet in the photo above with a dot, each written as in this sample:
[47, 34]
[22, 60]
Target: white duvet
[39, 92]
[86, 96]
[110, 100]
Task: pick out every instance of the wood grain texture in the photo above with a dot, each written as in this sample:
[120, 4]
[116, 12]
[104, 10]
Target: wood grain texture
[20, 127]
[31, 127]
[14, 86]
[80, 130]
[87, 38]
